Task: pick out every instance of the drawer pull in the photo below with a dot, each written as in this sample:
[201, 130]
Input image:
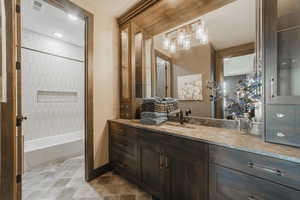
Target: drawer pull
[167, 162]
[265, 169]
[280, 115]
[279, 134]
[161, 160]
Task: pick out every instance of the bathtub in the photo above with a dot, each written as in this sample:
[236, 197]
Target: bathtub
[49, 149]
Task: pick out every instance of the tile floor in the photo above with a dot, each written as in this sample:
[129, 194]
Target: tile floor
[65, 181]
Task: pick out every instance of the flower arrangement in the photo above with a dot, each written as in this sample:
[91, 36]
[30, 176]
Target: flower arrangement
[247, 94]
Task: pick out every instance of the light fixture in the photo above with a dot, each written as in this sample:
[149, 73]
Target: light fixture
[187, 44]
[57, 34]
[72, 17]
[167, 43]
[182, 37]
[173, 47]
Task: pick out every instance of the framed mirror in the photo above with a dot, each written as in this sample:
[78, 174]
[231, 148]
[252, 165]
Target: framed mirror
[3, 52]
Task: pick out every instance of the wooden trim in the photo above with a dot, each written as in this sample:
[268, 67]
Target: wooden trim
[158, 53]
[8, 190]
[135, 10]
[9, 161]
[101, 170]
[235, 51]
[67, 5]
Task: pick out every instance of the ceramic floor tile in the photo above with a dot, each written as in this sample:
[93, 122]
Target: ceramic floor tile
[64, 180]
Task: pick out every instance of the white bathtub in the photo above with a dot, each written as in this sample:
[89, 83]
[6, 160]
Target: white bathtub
[49, 149]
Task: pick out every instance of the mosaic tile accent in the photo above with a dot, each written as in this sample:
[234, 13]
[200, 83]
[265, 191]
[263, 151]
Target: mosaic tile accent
[64, 180]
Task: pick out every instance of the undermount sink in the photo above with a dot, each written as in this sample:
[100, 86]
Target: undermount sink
[178, 125]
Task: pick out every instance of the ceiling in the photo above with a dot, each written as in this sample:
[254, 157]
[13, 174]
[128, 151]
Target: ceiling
[238, 65]
[46, 20]
[50, 20]
[231, 25]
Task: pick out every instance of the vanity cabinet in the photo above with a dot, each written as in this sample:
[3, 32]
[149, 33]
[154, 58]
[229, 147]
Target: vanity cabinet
[282, 69]
[239, 175]
[151, 167]
[164, 166]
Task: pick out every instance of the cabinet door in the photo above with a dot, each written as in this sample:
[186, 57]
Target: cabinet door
[282, 51]
[186, 175]
[227, 184]
[151, 167]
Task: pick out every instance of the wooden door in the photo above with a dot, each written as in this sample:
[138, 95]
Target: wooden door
[186, 175]
[9, 189]
[151, 167]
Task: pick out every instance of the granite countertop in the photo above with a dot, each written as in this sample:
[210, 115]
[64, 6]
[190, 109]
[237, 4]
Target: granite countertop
[222, 137]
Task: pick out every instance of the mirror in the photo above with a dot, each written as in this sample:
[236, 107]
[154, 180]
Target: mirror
[205, 62]
[3, 52]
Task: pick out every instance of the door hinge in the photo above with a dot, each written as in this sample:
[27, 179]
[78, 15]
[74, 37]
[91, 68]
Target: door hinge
[19, 179]
[18, 8]
[18, 65]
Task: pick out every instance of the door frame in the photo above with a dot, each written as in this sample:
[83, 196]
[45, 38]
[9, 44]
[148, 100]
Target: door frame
[230, 52]
[9, 189]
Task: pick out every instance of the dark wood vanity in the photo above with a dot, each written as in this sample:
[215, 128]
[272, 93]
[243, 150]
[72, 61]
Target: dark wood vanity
[168, 166]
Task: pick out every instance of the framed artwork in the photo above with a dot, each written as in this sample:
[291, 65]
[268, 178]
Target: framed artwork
[190, 87]
[3, 52]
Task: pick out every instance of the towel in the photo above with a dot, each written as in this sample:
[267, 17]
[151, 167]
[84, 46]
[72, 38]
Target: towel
[153, 115]
[156, 121]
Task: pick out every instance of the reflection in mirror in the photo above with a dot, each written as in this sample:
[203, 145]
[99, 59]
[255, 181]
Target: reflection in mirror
[216, 49]
[125, 63]
[237, 70]
[2, 52]
[163, 75]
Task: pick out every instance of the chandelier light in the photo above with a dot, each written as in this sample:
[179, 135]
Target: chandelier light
[182, 37]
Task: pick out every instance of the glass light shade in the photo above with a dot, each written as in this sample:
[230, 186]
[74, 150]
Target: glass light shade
[199, 31]
[204, 39]
[187, 44]
[173, 47]
[167, 43]
[181, 37]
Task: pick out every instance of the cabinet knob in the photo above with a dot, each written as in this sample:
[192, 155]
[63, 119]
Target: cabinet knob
[279, 134]
[280, 115]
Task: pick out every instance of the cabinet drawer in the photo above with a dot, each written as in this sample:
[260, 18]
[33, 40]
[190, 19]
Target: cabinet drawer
[283, 136]
[276, 170]
[128, 146]
[122, 130]
[283, 116]
[123, 164]
[227, 184]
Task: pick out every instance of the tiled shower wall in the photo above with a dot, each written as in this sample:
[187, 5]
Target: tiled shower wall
[52, 86]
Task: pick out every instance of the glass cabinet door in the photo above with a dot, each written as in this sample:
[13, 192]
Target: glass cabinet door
[125, 64]
[284, 59]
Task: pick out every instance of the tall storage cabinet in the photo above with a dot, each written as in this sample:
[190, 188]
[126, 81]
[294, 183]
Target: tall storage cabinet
[281, 21]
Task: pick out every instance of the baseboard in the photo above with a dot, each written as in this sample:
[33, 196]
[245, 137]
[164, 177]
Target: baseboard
[101, 170]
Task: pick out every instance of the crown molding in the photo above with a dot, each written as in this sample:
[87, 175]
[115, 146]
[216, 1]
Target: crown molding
[135, 10]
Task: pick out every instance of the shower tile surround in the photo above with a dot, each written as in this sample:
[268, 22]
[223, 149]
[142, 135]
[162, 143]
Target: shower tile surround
[53, 86]
[64, 180]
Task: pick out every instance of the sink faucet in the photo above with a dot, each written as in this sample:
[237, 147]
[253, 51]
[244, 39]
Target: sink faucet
[180, 117]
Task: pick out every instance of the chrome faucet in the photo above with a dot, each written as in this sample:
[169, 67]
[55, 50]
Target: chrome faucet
[180, 116]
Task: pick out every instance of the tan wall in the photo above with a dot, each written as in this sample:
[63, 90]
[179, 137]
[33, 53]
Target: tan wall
[106, 96]
[197, 60]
